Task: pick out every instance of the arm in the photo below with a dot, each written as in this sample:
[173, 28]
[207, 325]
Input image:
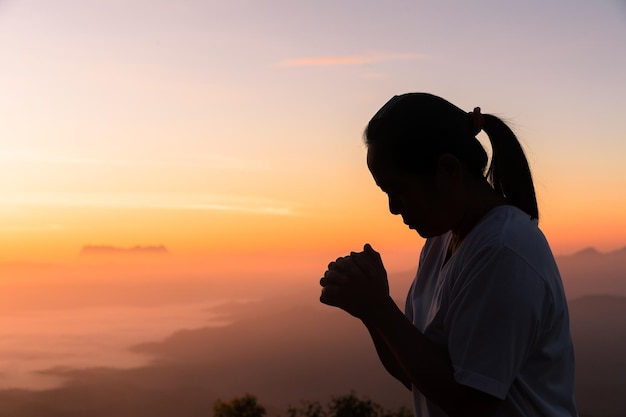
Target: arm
[387, 357]
[426, 365]
[358, 284]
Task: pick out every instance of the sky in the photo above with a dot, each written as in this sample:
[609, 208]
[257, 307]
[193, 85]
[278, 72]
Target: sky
[220, 128]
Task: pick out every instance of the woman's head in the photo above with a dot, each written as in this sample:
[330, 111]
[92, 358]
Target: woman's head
[414, 133]
[414, 129]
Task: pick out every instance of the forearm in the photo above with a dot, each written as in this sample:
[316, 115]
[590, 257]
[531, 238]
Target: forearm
[426, 365]
[388, 358]
[358, 284]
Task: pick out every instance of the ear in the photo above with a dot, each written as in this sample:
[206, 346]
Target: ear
[449, 174]
[449, 171]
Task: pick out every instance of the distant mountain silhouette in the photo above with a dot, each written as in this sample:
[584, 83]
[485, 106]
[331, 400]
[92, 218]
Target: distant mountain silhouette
[287, 349]
[590, 272]
[281, 350]
[106, 250]
[599, 333]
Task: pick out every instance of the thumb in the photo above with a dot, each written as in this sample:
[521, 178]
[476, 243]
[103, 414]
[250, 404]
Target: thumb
[372, 262]
[368, 248]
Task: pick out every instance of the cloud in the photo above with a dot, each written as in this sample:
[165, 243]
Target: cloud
[241, 204]
[367, 58]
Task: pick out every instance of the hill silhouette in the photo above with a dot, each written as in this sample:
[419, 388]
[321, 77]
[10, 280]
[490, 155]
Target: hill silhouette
[284, 353]
[599, 335]
[284, 349]
[590, 272]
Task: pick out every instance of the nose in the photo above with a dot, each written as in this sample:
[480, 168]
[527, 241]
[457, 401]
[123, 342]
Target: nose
[394, 205]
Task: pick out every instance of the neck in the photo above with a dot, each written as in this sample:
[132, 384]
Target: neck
[480, 199]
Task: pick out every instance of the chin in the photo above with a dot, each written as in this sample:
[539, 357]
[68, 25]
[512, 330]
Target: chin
[423, 233]
[426, 233]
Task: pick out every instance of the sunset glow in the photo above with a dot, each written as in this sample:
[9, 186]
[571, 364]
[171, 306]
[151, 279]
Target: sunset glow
[229, 134]
[156, 133]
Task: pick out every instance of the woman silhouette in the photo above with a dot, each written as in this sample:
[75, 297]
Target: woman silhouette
[485, 330]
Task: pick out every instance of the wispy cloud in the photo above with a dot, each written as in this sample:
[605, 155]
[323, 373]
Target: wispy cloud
[208, 202]
[359, 59]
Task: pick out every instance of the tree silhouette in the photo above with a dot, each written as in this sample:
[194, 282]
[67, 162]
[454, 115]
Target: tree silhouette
[351, 406]
[345, 406]
[246, 406]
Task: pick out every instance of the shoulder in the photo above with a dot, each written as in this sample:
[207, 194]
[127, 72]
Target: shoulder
[508, 246]
[508, 230]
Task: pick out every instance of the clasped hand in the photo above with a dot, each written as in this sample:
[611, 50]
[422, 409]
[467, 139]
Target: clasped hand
[356, 283]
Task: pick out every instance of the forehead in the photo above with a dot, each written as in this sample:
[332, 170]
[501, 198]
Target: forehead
[383, 170]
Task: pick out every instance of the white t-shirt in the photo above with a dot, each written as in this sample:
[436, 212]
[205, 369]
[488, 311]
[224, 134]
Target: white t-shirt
[498, 307]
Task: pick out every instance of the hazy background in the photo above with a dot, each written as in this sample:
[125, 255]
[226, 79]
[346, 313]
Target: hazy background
[149, 337]
[228, 134]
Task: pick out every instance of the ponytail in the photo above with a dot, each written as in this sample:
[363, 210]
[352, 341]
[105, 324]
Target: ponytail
[414, 129]
[509, 173]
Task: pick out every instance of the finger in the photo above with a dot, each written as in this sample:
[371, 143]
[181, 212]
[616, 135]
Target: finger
[371, 253]
[369, 249]
[369, 260]
[346, 266]
[330, 265]
[339, 260]
[333, 278]
[330, 295]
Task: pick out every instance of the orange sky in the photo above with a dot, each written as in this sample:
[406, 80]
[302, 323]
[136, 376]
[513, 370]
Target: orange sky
[214, 129]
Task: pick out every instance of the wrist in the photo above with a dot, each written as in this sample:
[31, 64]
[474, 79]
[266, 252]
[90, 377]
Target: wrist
[377, 312]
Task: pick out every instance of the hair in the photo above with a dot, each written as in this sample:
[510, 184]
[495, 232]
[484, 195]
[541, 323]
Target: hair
[415, 129]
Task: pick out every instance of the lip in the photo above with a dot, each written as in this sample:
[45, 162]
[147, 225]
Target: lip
[408, 223]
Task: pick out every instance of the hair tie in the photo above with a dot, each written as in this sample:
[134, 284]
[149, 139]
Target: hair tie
[478, 120]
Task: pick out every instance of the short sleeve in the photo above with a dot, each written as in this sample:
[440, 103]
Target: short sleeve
[493, 319]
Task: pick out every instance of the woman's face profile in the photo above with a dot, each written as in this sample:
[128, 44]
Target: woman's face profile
[413, 196]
